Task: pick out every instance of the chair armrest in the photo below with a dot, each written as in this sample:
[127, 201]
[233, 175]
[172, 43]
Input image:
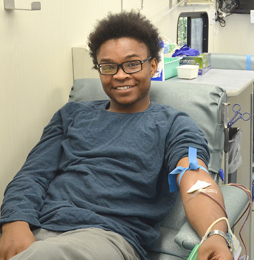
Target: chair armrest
[235, 200]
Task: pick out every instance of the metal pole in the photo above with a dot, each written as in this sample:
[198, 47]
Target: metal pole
[252, 167]
[226, 140]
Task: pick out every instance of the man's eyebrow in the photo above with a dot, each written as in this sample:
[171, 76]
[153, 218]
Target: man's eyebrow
[132, 56]
[111, 61]
[106, 61]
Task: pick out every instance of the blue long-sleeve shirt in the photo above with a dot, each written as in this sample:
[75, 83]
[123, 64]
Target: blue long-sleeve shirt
[95, 168]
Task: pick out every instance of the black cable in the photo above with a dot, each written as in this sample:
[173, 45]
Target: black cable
[220, 19]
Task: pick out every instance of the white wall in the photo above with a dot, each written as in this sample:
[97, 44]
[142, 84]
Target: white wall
[236, 37]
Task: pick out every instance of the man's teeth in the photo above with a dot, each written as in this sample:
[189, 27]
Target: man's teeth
[125, 87]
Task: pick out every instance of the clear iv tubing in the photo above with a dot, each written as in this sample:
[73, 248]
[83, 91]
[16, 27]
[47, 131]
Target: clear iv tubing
[247, 209]
[204, 193]
[215, 222]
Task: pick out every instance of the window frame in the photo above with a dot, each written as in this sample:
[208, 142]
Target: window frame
[190, 16]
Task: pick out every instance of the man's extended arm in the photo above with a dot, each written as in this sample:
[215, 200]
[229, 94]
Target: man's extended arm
[25, 194]
[202, 211]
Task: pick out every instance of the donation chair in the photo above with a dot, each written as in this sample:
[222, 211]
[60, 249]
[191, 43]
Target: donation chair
[229, 61]
[204, 104]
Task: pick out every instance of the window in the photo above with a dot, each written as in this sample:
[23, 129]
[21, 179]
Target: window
[192, 30]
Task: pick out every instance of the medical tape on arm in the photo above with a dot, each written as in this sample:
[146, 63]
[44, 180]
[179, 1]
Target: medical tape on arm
[204, 190]
[193, 166]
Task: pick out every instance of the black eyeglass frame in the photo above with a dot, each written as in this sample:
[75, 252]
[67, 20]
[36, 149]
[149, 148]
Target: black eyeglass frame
[121, 65]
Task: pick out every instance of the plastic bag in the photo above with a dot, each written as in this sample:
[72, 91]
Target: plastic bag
[234, 149]
[253, 188]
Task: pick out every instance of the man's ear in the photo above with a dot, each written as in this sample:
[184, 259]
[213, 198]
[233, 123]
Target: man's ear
[154, 65]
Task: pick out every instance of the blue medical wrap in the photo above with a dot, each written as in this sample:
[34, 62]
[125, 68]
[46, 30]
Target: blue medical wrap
[193, 165]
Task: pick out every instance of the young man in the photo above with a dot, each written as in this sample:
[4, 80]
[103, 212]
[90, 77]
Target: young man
[95, 186]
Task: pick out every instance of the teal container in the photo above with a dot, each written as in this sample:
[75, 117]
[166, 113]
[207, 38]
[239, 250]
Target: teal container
[170, 66]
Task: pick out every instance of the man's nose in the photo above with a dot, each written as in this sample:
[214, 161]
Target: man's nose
[121, 74]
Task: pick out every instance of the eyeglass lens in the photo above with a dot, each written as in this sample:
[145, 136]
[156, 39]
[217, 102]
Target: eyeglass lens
[128, 67]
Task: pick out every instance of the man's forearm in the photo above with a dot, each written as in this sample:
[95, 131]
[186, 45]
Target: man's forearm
[201, 210]
[14, 225]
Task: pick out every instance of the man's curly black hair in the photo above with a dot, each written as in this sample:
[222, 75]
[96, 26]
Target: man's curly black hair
[126, 24]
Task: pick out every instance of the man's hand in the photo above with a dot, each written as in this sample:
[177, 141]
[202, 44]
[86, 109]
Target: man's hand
[16, 237]
[214, 248]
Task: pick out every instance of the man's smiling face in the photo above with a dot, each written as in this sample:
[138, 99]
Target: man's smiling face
[129, 93]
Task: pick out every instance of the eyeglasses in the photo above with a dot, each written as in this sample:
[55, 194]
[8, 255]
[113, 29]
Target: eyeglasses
[128, 67]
